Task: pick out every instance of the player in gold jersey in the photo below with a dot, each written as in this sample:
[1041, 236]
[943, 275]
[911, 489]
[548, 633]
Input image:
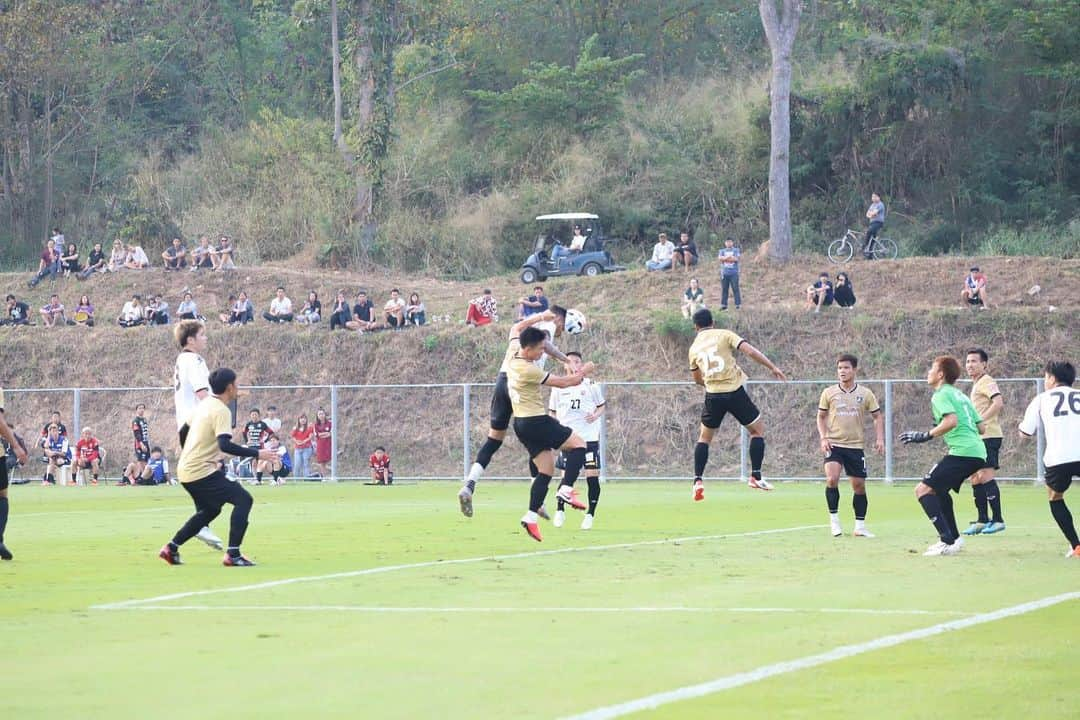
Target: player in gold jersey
[20, 455]
[988, 403]
[842, 412]
[712, 362]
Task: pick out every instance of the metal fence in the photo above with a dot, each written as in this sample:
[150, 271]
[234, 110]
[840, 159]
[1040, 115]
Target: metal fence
[433, 431]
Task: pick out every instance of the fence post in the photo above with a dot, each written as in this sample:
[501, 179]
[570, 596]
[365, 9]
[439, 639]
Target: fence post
[1040, 441]
[744, 453]
[888, 432]
[333, 433]
[466, 451]
[603, 438]
[76, 412]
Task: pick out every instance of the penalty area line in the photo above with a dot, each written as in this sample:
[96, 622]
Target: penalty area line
[690, 692]
[376, 609]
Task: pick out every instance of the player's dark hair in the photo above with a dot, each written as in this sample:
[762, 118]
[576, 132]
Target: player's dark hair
[271, 408]
[10, 297]
[281, 288]
[221, 379]
[140, 405]
[559, 311]
[157, 449]
[487, 291]
[1062, 370]
[975, 268]
[574, 353]
[948, 365]
[980, 352]
[538, 287]
[703, 318]
[254, 410]
[532, 336]
[185, 330]
[849, 359]
[396, 290]
[380, 447]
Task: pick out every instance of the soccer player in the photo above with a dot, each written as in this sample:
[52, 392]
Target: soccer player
[841, 416]
[207, 433]
[712, 361]
[501, 407]
[1057, 409]
[255, 434]
[959, 425]
[140, 428]
[191, 384]
[988, 402]
[88, 455]
[20, 455]
[539, 432]
[579, 408]
[381, 474]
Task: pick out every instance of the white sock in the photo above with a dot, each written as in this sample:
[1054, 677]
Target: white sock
[475, 472]
[530, 517]
[834, 517]
[860, 524]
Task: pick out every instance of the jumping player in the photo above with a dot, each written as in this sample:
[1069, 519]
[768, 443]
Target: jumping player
[988, 402]
[20, 455]
[712, 361]
[579, 408]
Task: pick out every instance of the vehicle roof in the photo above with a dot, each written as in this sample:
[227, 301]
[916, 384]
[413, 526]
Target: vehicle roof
[569, 216]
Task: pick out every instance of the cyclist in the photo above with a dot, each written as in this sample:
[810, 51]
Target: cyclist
[876, 215]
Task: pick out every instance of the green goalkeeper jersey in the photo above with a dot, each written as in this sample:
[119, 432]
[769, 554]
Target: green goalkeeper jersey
[962, 440]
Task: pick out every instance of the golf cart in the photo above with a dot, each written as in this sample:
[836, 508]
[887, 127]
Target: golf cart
[591, 260]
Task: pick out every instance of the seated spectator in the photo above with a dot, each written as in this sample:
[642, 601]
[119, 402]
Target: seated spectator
[280, 308]
[203, 256]
[394, 310]
[18, 312]
[132, 313]
[117, 256]
[282, 467]
[175, 256]
[52, 314]
[685, 253]
[820, 293]
[415, 312]
[241, 311]
[303, 437]
[187, 309]
[693, 299]
[84, 312]
[48, 265]
[363, 314]
[341, 314]
[88, 454]
[975, 293]
[381, 474]
[155, 471]
[69, 261]
[535, 303]
[95, 263]
[844, 291]
[157, 311]
[55, 453]
[577, 244]
[136, 259]
[223, 254]
[662, 254]
[482, 310]
[311, 313]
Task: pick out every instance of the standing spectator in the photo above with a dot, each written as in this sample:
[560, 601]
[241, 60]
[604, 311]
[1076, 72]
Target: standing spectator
[381, 474]
[974, 292]
[88, 455]
[95, 263]
[223, 254]
[685, 252]
[875, 214]
[693, 299]
[18, 312]
[132, 313]
[535, 303]
[117, 256]
[69, 261]
[48, 265]
[203, 255]
[363, 319]
[729, 273]
[280, 308]
[311, 313]
[175, 256]
[272, 420]
[662, 254]
[140, 429]
[157, 311]
[136, 258]
[844, 291]
[54, 419]
[187, 309]
[84, 312]
[415, 312]
[53, 312]
[482, 310]
[57, 238]
[55, 454]
[394, 310]
[341, 315]
[303, 437]
[323, 442]
[820, 293]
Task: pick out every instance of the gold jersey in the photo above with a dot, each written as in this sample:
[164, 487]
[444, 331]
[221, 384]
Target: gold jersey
[983, 392]
[210, 419]
[523, 382]
[511, 351]
[847, 411]
[713, 353]
[1, 399]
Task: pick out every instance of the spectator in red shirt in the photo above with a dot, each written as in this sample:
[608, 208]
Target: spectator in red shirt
[323, 444]
[303, 437]
[88, 455]
[381, 474]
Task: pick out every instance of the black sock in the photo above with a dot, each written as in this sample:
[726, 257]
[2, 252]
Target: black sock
[950, 513]
[276, 475]
[3, 516]
[258, 477]
[993, 496]
[859, 504]
[1064, 520]
[931, 505]
[538, 491]
[575, 460]
[701, 459]
[489, 448]
[757, 455]
[234, 552]
[238, 521]
[560, 504]
[980, 503]
[832, 499]
[173, 546]
[594, 494]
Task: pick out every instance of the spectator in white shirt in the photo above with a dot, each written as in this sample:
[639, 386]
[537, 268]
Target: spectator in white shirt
[132, 313]
[136, 258]
[280, 308]
[661, 254]
[272, 420]
[395, 310]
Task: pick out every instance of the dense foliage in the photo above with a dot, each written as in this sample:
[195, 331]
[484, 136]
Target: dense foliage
[142, 119]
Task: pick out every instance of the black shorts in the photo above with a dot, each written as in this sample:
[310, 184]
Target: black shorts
[3, 476]
[993, 448]
[1059, 477]
[592, 456]
[736, 402]
[392, 321]
[214, 490]
[141, 456]
[540, 433]
[975, 299]
[853, 460]
[951, 471]
[501, 408]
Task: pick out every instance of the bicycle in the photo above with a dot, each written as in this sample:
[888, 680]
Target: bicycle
[842, 249]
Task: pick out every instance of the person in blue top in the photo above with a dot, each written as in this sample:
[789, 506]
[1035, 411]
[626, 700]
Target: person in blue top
[875, 214]
[729, 273]
[535, 303]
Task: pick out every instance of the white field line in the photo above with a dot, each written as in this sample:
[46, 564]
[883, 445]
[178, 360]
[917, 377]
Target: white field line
[126, 604]
[376, 609]
[51, 513]
[652, 702]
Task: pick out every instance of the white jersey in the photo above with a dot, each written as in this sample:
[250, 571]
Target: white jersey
[189, 377]
[572, 404]
[1058, 411]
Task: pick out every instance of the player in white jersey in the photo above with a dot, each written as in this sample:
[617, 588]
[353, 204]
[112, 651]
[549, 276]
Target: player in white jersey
[579, 408]
[191, 383]
[1057, 410]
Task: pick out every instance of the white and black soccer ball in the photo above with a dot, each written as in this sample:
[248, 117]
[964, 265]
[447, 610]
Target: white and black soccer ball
[575, 322]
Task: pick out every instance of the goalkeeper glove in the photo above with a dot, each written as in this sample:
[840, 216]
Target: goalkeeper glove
[914, 436]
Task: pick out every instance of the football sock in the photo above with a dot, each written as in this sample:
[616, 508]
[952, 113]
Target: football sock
[701, 458]
[575, 460]
[487, 450]
[234, 552]
[538, 491]
[757, 455]
[533, 469]
[258, 477]
[594, 494]
[173, 546]
[1064, 520]
[993, 496]
[560, 505]
[931, 505]
[980, 502]
[832, 499]
[950, 513]
[858, 504]
[4, 516]
[238, 521]
[276, 475]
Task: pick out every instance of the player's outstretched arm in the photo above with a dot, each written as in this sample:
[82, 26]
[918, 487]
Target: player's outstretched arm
[759, 357]
[520, 325]
[565, 381]
[948, 422]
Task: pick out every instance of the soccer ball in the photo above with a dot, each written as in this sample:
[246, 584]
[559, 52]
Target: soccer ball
[575, 322]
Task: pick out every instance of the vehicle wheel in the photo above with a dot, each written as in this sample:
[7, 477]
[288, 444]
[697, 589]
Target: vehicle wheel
[841, 250]
[591, 270]
[885, 249]
[528, 276]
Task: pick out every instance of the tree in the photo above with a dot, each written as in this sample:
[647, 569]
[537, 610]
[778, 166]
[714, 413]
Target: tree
[780, 32]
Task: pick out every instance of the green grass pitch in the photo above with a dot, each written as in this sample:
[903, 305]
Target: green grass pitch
[371, 624]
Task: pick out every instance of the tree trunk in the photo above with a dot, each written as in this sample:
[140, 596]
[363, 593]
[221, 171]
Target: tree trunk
[335, 44]
[363, 200]
[780, 32]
